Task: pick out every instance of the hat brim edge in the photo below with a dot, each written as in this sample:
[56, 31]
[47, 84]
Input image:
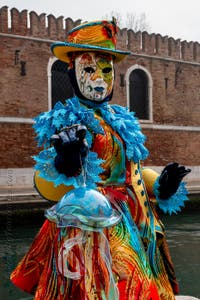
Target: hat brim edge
[62, 49]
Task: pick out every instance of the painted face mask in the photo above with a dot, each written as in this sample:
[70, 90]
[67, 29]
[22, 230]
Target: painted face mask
[95, 75]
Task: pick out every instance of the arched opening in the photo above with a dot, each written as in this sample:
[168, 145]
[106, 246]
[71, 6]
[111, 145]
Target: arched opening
[61, 88]
[139, 91]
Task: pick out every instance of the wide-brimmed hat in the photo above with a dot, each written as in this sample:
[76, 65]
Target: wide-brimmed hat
[95, 36]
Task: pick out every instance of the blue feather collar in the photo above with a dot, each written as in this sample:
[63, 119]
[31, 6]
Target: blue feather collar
[74, 112]
[118, 117]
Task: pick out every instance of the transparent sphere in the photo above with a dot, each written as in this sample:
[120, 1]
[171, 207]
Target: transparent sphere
[84, 207]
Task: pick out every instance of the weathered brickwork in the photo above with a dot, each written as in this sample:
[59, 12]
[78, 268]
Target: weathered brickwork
[176, 89]
[174, 66]
[23, 96]
[167, 146]
[18, 146]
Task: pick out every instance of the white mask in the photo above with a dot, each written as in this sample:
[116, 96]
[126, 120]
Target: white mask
[95, 75]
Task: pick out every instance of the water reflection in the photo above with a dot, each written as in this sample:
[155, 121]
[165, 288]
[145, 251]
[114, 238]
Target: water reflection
[14, 242]
[183, 234]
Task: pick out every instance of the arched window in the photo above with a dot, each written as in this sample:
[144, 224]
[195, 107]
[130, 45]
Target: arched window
[61, 88]
[139, 91]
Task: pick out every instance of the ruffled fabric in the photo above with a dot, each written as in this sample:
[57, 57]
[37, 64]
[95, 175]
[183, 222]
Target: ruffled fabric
[127, 126]
[63, 115]
[45, 166]
[175, 202]
[73, 112]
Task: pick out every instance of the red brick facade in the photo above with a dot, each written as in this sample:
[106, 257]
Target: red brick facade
[174, 67]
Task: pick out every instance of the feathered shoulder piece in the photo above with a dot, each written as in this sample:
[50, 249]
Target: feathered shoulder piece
[73, 112]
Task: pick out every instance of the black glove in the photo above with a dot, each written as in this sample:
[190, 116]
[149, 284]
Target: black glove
[170, 179]
[71, 148]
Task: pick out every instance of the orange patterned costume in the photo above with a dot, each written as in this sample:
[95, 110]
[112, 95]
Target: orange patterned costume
[140, 263]
[104, 241]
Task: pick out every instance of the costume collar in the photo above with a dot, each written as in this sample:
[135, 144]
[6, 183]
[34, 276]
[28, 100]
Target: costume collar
[126, 125]
[75, 111]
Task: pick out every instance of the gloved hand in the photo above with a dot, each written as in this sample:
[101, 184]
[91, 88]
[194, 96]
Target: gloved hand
[170, 179]
[71, 148]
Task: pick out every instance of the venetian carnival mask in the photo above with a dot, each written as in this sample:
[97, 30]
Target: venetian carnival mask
[95, 75]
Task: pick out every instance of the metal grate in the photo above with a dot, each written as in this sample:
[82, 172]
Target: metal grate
[139, 102]
[60, 83]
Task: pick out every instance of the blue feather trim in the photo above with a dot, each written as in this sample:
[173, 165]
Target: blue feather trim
[127, 125]
[48, 123]
[47, 170]
[175, 202]
[73, 112]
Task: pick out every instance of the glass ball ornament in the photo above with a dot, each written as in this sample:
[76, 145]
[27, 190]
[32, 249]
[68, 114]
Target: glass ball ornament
[84, 208]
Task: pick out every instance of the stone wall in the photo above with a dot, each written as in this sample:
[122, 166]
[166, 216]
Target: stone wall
[50, 27]
[174, 66]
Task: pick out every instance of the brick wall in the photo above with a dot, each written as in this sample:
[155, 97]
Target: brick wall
[176, 89]
[17, 146]
[173, 65]
[23, 96]
[167, 146]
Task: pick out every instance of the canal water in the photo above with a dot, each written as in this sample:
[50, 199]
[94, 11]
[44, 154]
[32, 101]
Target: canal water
[183, 235]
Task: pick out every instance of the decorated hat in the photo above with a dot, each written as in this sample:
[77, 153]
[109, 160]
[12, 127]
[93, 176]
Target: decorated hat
[95, 36]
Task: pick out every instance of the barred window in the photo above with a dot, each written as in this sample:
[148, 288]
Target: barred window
[61, 88]
[139, 92]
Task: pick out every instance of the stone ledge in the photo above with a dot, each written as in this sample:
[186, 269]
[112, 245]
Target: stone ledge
[186, 298]
[27, 194]
[20, 197]
[193, 189]
[19, 190]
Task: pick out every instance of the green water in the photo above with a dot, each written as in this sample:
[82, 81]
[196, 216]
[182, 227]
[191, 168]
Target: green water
[183, 234]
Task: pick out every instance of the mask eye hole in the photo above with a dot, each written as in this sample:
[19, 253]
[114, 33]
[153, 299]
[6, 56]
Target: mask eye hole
[107, 70]
[89, 70]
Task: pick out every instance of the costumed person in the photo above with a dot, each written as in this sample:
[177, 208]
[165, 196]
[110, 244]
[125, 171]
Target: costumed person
[102, 238]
